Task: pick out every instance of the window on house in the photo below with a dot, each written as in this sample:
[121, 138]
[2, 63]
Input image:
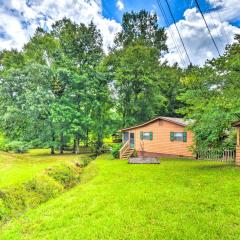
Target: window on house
[125, 137]
[178, 136]
[146, 135]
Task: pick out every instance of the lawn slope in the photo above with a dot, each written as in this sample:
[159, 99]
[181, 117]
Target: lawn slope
[174, 200]
[17, 168]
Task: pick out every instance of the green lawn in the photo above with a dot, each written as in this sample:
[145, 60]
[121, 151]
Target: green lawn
[177, 199]
[16, 168]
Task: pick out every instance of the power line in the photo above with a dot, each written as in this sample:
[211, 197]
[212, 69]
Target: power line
[200, 10]
[174, 20]
[215, 26]
[171, 33]
[220, 19]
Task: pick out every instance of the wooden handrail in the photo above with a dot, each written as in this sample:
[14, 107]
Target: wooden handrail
[124, 148]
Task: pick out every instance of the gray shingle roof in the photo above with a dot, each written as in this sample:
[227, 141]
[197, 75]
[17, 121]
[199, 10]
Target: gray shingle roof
[178, 121]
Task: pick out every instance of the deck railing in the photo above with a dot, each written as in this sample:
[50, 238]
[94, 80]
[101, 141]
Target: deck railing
[217, 155]
[125, 147]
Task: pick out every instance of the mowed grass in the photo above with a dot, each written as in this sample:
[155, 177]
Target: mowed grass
[17, 168]
[177, 199]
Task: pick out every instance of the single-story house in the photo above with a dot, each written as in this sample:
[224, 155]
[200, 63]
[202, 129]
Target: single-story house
[162, 136]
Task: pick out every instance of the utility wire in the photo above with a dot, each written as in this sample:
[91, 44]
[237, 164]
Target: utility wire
[220, 19]
[215, 26]
[175, 23]
[200, 10]
[171, 33]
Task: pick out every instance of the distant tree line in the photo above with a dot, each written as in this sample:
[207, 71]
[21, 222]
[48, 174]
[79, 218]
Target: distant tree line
[63, 89]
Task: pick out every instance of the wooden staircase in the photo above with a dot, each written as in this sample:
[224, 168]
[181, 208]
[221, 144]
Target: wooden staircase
[126, 152]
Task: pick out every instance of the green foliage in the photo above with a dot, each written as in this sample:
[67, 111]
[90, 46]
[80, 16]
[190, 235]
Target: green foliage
[145, 87]
[3, 142]
[68, 176]
[212, 99]
[115, 150]
[16, 199]
[86, 160]
[44, 186]
[142, 28]
[139, 84]
[16, 147]
[135, 153]
[55, 84]
[62, 89]
[13, 201]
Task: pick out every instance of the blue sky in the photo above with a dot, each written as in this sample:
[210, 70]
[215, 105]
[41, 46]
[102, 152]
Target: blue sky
[20, 18]
[222, 16]
[111, 11]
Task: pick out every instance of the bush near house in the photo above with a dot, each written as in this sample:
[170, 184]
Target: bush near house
[115, 150]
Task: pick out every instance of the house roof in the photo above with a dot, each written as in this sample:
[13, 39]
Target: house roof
[178, 121]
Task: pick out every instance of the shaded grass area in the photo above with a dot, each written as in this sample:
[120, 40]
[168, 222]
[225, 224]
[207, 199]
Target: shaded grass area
[177, 199]
[17, 168]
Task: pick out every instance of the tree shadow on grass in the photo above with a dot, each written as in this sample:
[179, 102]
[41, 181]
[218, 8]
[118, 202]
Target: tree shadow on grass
[216, 166]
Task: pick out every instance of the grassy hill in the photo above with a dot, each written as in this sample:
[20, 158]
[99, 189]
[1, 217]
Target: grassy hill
[16, 168]
[174, 200]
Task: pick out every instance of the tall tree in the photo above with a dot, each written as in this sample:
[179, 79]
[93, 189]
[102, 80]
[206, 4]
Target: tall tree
[212, 99]
[144, 87]
[55, 84]
[141, 28]
[138, 85]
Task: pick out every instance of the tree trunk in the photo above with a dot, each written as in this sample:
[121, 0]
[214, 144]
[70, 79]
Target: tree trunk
[74, 146]
[52, 150]
[77, 150]
[61, 144]
[86, 141]
[52, 147]
[99, 142]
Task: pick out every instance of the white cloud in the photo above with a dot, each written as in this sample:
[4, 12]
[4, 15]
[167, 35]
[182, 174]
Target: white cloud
[228, 9]
[20, 18]
[120, 5]
[197, 39]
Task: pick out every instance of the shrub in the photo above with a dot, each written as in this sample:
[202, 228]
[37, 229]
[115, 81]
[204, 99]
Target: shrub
[4, 212]
[86, 160]
[44, 187]
[97, 150]
[135, 153]
[106, 148]
[3, 142]
[17, 147]
[12, 201]
[115, 150]
[15, 200]
[66, 175]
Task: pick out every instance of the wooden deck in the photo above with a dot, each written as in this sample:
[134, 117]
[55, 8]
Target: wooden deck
[146, 160]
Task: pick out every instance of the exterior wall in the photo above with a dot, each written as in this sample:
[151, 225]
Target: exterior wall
[161, 143]
[238, 155]
[238, 147]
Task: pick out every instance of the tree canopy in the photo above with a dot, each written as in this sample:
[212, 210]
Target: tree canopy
[62, 89]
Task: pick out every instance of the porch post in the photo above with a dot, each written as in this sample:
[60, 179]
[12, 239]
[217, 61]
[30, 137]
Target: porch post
[238, 147]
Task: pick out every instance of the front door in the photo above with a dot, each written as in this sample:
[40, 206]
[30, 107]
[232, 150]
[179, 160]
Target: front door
[132, 141]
